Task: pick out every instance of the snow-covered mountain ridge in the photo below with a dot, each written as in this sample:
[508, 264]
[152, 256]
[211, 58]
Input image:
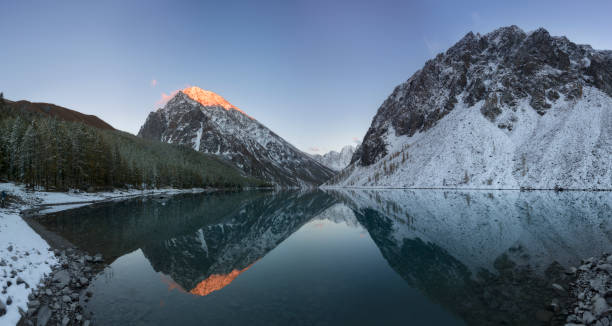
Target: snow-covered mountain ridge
[507, 109]
[336, 160]
[220, 128]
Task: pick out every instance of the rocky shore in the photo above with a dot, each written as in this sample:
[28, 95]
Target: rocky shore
[61, 297]
[592, 291]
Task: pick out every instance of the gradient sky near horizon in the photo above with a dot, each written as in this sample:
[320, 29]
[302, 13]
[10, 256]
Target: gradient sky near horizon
[315, 72]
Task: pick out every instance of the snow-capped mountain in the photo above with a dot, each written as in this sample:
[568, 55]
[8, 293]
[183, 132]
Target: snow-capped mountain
[507, 109]
[210, 124]
[334, 160]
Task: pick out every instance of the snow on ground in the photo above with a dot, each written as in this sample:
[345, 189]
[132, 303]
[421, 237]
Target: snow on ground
[58, 208]
[24, 255]
[54, 198]
[23, 251]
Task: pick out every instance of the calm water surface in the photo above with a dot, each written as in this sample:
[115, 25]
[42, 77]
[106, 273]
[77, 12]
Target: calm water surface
[339, 257]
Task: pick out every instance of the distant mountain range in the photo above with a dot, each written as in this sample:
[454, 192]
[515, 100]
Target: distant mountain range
[208, 123]
[508, 109]
[336, 160]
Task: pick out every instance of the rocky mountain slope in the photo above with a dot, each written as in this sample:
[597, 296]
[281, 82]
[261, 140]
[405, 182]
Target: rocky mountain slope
[508, 109]
[208, 123]
[334, 160]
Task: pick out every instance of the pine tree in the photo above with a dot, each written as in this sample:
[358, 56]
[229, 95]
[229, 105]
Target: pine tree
[14, 144]
[28, 162]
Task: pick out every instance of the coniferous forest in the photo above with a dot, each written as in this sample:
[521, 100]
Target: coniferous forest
[44, 152]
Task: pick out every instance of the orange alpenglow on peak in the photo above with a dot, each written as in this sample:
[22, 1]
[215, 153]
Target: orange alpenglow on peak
[208, 98]
[216, 282]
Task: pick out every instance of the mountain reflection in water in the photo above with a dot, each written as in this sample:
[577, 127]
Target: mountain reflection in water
[468, 257]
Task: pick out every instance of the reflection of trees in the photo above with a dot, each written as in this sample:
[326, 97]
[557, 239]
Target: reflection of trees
[117, 228]
[191, 237]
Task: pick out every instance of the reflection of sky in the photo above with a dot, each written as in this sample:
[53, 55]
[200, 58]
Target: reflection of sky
[299, 67]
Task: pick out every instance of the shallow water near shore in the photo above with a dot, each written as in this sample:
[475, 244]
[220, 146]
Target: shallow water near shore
[393, 257]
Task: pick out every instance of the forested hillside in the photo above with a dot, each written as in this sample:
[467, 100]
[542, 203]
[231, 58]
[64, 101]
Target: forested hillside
[42, 151]
[56, 111]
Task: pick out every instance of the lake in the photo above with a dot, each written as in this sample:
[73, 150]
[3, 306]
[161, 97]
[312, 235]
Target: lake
[354, 257]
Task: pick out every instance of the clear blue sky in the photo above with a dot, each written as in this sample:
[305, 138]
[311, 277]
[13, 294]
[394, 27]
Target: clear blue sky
[315, 72]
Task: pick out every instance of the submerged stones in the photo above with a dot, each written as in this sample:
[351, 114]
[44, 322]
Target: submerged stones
[558, 287]
[592, 291]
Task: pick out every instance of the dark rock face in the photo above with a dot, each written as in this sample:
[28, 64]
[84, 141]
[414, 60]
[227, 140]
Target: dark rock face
[155, 126]
[500, 69]
[232, 135]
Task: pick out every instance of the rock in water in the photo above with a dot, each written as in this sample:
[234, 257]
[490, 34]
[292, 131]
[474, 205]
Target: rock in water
[599, 306]
[98, 258]
[558, 287]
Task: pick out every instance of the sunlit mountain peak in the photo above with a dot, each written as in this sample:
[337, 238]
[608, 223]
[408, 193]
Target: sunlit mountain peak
[208, 98]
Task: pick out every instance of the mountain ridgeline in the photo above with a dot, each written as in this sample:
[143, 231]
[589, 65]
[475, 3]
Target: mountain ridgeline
[69, 150]
[507, 109]
[336, 160]
[209, 124]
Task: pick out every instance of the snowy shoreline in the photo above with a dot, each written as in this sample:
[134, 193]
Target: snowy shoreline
[26, 259]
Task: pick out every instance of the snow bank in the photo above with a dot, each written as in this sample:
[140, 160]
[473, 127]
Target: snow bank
[23, 255]
[31, 198]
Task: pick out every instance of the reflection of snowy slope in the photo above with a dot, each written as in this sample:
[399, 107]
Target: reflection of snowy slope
[340, 213]
[477, 227]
